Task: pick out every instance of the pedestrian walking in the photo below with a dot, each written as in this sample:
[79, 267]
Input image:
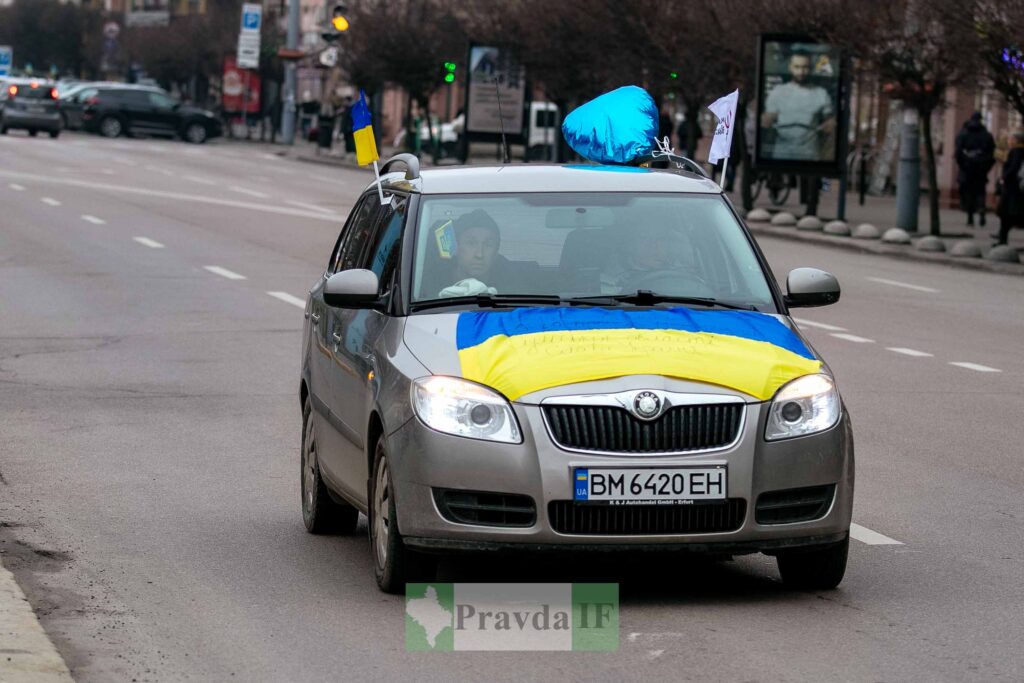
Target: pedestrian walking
[1011, 197]
[975, 156]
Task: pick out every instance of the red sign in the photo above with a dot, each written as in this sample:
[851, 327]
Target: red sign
[234, 86]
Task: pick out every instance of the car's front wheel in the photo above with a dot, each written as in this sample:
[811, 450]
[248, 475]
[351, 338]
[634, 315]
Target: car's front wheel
[819, 568]
[54, 133]
[394, 563]
[320, 513]
[33, 132]
[195, 133]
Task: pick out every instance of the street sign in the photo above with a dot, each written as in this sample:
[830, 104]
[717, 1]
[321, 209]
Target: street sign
[6, 59]
[252, 17]
[248, 56]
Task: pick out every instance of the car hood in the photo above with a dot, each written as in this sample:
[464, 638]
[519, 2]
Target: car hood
[528, 354]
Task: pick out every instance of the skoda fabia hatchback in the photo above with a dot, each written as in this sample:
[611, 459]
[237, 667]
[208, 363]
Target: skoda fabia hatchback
[530, 358]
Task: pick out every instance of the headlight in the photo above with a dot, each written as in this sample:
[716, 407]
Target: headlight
[458, 407]
[806, 405]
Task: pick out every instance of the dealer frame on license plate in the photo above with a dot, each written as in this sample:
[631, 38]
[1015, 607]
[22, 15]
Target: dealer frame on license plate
[650, 485]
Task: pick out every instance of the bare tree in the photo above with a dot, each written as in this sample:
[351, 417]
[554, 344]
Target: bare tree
[1000, 47]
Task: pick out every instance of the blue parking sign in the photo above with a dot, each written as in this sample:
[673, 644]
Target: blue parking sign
[6, 59]
[252, 15]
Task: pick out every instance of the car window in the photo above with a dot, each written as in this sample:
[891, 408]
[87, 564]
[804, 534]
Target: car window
[382, 257]
[162, 101]
[586, 244]
[85, 94]
[135, 97]
[356, 234]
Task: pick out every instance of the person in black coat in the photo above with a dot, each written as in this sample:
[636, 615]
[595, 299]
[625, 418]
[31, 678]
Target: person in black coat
[1011, 200]
[975, 156]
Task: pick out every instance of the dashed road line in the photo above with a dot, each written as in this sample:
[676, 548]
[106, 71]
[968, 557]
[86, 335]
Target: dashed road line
[905, 285]
[157, 169]
[251, 193]
[910, 352]
[16, 187]
[852, 338]
[865, 535]
[92, 219]
[197, 179]
[288, 299]
[146, 242]
[50, 201]
[974, 366]
[107, 171]
[311, 207]
[820, 326]
[224, 272]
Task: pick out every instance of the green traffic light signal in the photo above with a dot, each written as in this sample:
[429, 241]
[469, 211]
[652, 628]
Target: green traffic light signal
[673, 75]
[449, 78]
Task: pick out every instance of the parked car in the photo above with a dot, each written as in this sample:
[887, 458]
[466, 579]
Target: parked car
[29, 104]
[571, 358]
[115, 111]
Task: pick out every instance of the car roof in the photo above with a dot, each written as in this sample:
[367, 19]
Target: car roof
[528, 178]
[21, 80]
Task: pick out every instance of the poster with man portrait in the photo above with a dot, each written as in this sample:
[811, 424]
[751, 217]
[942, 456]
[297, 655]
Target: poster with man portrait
[799, 106]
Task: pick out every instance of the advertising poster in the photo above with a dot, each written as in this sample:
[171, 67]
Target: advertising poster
[487, 65]
[235, 82]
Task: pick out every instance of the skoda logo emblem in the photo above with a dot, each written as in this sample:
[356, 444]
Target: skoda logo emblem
[646, 405]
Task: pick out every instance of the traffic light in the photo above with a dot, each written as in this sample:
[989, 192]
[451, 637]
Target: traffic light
[449, 72]
[338, 20]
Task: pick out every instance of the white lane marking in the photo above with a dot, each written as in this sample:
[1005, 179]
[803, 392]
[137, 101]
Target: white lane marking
[157, 169]
[197, 179]
[224, 272]
[865, 535]
[92, 219]
[853, 338]
[107, 171]
[319, 179]
[820, 326]
[288, 299]
[910, 352]
[50, 201]
[975, 367]
[261, 178]
[905, 285]
[311, 207]
[180, 196]
[251, 193]
[271, 156]
[146, 242]
[16, 187]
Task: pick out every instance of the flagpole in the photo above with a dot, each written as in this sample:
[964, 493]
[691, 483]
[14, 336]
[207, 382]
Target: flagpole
[725, 165]
[380, 190]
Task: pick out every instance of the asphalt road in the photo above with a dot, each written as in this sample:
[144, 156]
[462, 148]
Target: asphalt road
[149, 498]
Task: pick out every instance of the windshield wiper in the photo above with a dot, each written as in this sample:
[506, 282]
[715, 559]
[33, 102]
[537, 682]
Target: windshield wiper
[488, 300]
[645, 297]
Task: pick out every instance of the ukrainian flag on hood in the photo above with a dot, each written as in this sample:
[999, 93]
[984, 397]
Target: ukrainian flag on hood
[528, 349]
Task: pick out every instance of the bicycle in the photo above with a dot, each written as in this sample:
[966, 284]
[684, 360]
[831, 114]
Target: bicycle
[778, 185]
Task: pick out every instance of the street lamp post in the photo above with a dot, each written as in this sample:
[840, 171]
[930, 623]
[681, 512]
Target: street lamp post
[908, 188]
[288, 115]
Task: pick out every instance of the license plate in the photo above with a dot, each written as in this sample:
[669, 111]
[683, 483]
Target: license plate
[34, 110]
[649, 485]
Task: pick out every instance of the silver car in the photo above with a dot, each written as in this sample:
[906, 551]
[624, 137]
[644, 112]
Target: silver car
[534, 358]
[29, 104]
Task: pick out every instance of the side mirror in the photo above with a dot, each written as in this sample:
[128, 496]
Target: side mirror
[355, 288]
[807, 287]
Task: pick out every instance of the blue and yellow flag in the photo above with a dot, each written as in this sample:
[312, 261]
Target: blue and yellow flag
[524, 350]
[362, 130]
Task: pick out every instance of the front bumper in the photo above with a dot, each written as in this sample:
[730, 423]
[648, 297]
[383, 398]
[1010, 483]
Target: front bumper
[422, 460]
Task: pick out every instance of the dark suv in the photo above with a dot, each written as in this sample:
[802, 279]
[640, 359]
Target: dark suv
[30, 104]
[112, 112]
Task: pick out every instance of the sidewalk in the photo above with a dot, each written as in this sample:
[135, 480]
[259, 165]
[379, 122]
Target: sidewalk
[26, 653]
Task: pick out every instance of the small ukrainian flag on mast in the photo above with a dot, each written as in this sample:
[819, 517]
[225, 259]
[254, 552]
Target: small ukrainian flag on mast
[362, 130]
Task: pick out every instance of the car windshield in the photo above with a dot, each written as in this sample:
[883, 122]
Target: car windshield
[605, 246]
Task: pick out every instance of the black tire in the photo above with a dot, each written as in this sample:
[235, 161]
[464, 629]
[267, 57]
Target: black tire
[54, 134]
[820, 568]
[3, 130]
[111, 127]
[393, 562]
[320, 513]
[33, 132]
[195, 133]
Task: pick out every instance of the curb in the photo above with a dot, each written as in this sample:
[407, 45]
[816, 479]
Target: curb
[883, 249]
[27, 655]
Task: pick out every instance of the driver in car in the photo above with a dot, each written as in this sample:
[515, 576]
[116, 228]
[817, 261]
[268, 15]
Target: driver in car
[477, 239]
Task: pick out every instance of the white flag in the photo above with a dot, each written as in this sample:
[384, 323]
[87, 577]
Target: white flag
[725, 109]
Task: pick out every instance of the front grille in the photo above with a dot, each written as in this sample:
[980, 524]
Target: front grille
[486, 509]
[615, 430]
[794, 505]
[568, 517]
